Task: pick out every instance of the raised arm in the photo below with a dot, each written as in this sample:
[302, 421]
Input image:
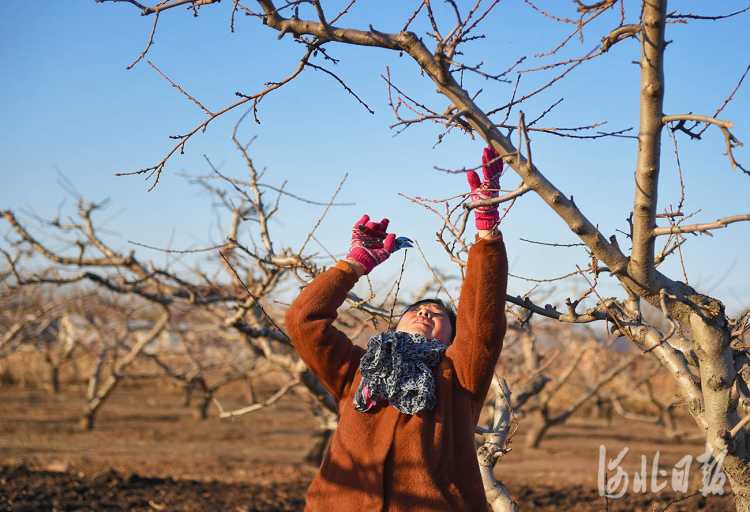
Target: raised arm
[481, 324]
[326, 351]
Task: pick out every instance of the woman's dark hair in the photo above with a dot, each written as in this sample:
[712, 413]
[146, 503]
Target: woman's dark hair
[447, 308]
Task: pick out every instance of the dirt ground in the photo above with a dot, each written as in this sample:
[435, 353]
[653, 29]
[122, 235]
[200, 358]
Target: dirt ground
[150, 453]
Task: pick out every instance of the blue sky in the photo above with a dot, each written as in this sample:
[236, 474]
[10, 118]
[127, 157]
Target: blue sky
[70, 105]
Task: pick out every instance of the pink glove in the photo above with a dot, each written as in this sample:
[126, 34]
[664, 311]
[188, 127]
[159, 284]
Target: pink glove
[486, 216]
[371, 245]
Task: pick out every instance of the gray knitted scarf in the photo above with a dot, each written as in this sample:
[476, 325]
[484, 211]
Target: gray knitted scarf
[397, 367]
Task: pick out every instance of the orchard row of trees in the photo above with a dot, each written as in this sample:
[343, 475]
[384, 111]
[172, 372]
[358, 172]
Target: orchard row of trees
[104, 316]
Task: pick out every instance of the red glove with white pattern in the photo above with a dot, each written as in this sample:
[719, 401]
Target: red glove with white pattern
[486, 216]
[371, 245]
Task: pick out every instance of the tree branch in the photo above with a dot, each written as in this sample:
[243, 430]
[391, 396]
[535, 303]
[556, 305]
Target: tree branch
[494, 447]
[641, 265]
[693, 228]
[245, 410]
[730, 140]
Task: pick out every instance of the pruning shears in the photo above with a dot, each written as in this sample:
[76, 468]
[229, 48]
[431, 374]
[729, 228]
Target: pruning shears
[403, 243]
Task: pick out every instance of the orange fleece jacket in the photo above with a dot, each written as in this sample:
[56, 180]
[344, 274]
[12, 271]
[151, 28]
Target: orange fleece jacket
[385, 460]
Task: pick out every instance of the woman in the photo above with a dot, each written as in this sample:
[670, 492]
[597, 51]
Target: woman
[409, 404]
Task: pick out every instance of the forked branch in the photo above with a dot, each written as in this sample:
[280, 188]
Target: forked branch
[730, 140]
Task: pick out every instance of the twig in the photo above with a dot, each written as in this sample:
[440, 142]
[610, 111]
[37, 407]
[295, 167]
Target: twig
[180, 89]
[334, 20]
[435, 275]
[346, 87]
[551, 244]
[726, 101]
[414, 15]
[275, 189]
[324, 214]
[164, 6]
[730, 140]
[682, 260]
[255, 299]
[156, 169]
[721, 223]
[181, 252]
[231, 18]
[150, 42]
[679, 172]
[676, 500]
[395, 295]
[524, 98]
[140, 6]
[712, 18]
[239, 412]
[324, 248]
[549, 280]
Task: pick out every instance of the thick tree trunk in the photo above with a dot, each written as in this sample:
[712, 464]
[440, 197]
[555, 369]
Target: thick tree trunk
[95, 402]
[712, 338]
[738, 472]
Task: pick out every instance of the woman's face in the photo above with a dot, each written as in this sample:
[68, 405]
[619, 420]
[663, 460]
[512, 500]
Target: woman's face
[429, 320]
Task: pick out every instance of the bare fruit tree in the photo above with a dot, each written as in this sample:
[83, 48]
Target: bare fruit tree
[717, 397]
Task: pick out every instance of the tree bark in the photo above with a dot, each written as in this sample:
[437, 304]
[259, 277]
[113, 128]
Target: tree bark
[641, 266]
[494, 447]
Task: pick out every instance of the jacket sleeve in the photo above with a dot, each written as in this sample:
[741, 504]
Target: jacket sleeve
[327, 352]
[481, 323]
